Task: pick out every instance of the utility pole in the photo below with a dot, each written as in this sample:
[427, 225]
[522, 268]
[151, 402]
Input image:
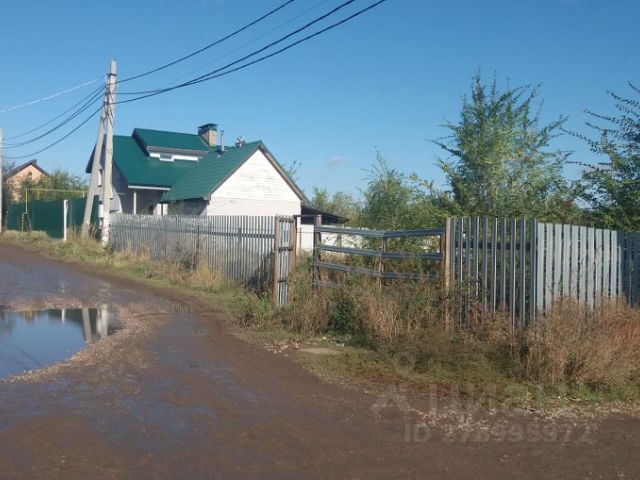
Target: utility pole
[1, 180]
[95, 171]
[107, 187]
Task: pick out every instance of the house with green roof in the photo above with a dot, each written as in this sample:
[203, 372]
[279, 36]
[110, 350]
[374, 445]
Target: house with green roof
[159, 172]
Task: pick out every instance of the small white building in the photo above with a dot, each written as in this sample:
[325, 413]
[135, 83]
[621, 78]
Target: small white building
[159, 172]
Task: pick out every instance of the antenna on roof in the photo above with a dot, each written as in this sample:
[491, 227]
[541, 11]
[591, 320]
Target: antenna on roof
[240, 141]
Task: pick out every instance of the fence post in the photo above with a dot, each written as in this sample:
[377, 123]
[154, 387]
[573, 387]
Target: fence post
[317, 241]
[294, 244]
[276, 261]
[445, 250]
[383, 249]
[65, 211]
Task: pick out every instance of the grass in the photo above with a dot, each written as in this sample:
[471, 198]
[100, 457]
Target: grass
[573, 354]
[396, 333]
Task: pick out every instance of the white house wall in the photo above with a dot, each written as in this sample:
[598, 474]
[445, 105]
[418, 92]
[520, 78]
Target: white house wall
[256, 188]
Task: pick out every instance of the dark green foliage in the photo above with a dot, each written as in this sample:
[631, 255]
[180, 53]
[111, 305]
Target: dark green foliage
[500, 162]
[340, 203]
[393, 201]
[60, 184]
[612, 188]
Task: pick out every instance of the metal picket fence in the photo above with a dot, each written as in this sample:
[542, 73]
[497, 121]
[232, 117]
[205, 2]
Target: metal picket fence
[258, 251]
[524, 266]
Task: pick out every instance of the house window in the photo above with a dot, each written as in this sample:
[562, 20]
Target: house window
[166, 157]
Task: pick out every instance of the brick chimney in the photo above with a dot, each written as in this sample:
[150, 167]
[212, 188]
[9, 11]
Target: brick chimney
[209, 133]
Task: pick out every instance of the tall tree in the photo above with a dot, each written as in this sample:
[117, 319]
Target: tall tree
[500, 163]
[612, 187]
[340, 203]
[392, 201]
[58, 184]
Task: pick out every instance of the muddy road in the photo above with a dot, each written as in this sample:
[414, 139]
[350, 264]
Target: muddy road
[174, 395]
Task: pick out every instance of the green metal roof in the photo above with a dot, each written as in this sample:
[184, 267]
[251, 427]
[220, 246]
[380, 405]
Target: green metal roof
[210, 172]
[139, 169]
[186, 179]
[174, 140]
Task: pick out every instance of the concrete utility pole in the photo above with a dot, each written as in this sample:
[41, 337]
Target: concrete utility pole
[108, 155]
[1, 180]
[95, 172]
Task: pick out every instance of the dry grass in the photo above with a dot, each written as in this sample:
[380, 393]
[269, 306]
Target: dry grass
[572, 347]
[568, 351]
[89, 251]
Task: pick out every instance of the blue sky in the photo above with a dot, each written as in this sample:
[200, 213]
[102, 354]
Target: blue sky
[387, 80]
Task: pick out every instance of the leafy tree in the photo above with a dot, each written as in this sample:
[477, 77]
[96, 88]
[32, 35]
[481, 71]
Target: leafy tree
[612, 187]
[340, 203]
[292, 170]
[58, 184]
[500, 163]
[394, 202]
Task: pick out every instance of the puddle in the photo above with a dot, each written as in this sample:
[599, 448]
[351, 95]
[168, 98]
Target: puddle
[34, 339]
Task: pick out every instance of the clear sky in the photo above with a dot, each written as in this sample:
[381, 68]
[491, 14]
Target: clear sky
[387, 80]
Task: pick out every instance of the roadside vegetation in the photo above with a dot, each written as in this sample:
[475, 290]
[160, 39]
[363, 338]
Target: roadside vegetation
[499, 162]
[399, 332]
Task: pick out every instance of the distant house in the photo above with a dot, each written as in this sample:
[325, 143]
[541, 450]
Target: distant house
[159, 172]
[29, 171]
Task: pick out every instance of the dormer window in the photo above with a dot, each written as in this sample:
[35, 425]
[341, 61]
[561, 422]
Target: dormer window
[172, 157]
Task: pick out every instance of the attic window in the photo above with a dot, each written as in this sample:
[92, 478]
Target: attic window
[172, 157]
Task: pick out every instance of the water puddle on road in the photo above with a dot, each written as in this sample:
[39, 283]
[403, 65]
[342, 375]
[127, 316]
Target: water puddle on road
[34, 339]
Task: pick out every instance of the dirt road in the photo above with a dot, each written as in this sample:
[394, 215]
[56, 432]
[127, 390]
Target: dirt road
[174, 395]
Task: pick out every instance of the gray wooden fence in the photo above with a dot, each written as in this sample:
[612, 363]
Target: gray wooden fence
[257, 251]
[524, 266]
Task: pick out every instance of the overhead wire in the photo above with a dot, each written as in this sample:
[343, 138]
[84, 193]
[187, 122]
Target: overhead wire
[75, 129]
[254, 40]
[213, 44]
[86, 103]
[221, 71]
[255, 52]
[84, 107]
[48, 97]
[35, 129]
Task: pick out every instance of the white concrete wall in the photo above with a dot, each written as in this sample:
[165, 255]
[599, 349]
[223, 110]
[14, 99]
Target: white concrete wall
[305, 239]
[256, 188]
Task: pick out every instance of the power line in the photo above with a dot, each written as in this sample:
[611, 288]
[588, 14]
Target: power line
[219, 72]
[30, 155]
[86, 102]
[255, 39]
[291, 45]
[49, 97]
[85, 106]
[23, 134]
[149, 93]
[217, 42]
[209, 76]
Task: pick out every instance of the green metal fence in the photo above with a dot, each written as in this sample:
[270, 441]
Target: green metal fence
[48, 216]
[75, 214]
